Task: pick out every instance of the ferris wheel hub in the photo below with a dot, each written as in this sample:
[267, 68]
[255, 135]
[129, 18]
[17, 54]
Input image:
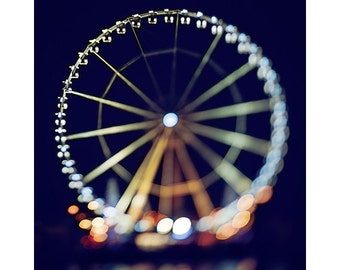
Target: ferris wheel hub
[170, 119]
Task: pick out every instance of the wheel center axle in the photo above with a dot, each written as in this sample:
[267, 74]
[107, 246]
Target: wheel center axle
[170, 119]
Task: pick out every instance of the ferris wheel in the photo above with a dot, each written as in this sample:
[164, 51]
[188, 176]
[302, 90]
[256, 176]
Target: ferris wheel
[171, 128]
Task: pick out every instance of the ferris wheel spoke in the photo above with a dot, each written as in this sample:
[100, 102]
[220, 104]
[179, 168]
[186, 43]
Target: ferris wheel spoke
[129, 63]
[113, 130]
[152, 164]
[218, 87]
[105, 148]
[199, 69]
[211, 61]
[167, 179]
[117, 105]
[114, 77]
[151, 74]
[140, 93]
[201, 199]
[108, 87]
[121, 171]
[122, 154]
[174, 58]
[227, 171]
[235, 139]
[130, 191]
[244, 108]
[159, 52]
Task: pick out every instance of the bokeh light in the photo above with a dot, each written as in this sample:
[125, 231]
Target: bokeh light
[93, 205]
[182, 228]
[85, 224]
[151, 241]
[164, 226]
[73, 209]
[226, 231]
[264, 194]
[246, 203]
[241, 219]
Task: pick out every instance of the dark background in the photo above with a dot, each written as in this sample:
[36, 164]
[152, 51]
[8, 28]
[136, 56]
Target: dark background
[62, 28]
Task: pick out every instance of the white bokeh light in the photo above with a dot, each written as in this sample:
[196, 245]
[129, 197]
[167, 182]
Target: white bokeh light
[170, 119]
[181, 226]
[164, 226]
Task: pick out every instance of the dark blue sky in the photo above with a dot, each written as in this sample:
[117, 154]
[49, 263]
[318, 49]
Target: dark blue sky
[62, 28]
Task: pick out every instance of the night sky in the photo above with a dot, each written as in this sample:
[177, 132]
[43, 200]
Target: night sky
[62, 28]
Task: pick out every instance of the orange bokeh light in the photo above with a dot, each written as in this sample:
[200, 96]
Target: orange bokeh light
[226, 231]
[85, 224]
[241, 219]
[264, 194]
[73, 209]
[246, 202]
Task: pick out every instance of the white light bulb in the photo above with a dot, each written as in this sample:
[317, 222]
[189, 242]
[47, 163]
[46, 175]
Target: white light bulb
[170, 119]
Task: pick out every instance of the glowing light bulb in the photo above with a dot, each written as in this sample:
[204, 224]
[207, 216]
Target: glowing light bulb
[170, 119]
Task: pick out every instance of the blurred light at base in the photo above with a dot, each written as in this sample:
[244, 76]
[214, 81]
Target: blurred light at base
[241, 264]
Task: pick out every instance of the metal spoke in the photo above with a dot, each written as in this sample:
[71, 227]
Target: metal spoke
[118, 168]
[244, 108]
[227, 171]
[218, 87]
[174, 59]
[165, 198]
[117, 105]
[152, 165]
[152, 76]
[114, 77]
[131, 190]
[235, 139]
[199, 69]
[113, 130]
[140, 93]
[160, 52]
[201, 199]
[122, 154]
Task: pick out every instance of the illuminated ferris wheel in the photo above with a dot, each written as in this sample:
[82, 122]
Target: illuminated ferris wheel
[171, 128]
